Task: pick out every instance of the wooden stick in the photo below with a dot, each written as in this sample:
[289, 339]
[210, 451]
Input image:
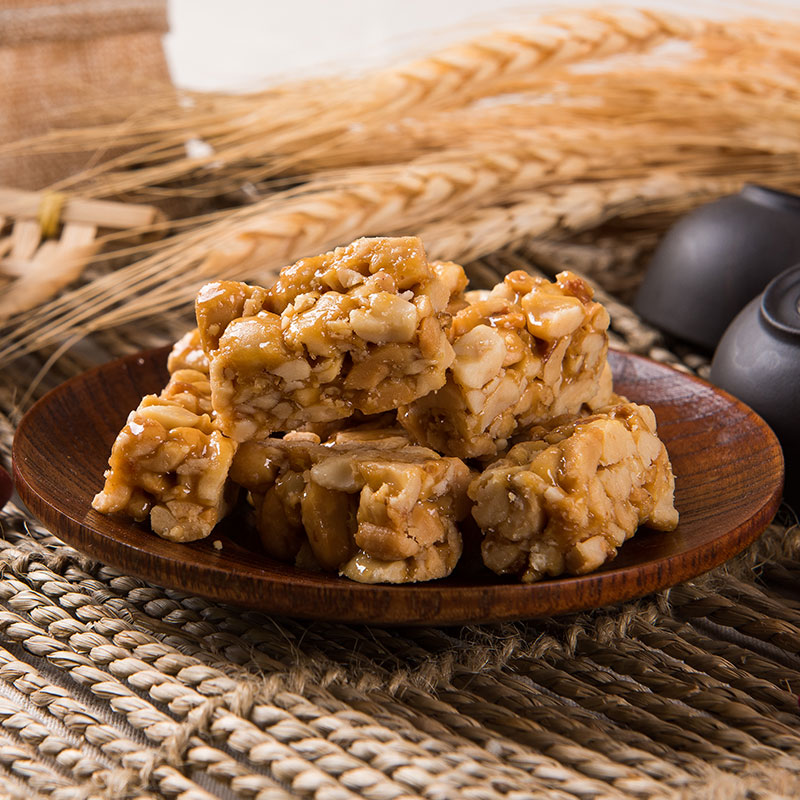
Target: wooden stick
[77, 234]
[25, 238]
[55, 264]
[23, 205]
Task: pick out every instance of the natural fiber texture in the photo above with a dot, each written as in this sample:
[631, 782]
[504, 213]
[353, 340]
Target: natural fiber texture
[111, 687]
[25, 22]
[58, 55]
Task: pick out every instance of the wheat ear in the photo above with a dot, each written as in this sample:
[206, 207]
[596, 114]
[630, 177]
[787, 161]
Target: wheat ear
[253, 245]
[562, 210]
[367, 202]
[285, 122]
[255, 241]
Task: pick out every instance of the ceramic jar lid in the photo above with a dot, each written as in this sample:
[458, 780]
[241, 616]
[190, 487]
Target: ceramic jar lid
[716, 259]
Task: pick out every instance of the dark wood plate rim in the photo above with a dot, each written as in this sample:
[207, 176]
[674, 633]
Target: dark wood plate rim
[254, 581]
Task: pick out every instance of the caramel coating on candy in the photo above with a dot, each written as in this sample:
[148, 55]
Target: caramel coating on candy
[384, 373]
[188, 353]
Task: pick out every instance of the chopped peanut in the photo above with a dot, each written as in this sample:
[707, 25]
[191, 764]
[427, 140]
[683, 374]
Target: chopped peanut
[188, 353]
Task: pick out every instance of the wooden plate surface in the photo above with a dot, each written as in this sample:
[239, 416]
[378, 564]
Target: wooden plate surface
[727, 461]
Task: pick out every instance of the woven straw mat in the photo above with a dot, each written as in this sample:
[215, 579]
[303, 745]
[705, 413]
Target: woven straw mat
[112, 687]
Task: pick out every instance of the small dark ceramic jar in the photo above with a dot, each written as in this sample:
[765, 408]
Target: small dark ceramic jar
[758, 361]
[716, 259]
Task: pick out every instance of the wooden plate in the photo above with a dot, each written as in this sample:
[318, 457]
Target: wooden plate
[727, 461]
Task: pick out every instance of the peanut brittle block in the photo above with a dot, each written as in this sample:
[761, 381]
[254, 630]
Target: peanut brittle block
[361, 328]
[188, 353]
[368, 505]
[170, 462]
[525, 352]
[567, 499]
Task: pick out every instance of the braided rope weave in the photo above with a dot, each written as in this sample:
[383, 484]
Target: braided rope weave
[112, 687]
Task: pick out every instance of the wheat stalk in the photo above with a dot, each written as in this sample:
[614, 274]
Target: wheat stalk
[563, 210]
[272, 127]
[290, 224]
[255, 241]
[759, 121]
[751, 97]
[430, 186]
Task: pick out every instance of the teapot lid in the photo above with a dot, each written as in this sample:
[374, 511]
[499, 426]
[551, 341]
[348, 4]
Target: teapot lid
[780, 303]
[767, 196]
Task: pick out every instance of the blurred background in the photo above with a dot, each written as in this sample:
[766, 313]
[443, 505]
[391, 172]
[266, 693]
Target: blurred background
[241, 43]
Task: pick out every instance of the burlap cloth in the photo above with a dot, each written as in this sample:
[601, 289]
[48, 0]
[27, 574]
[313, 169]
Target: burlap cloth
[113, 687]
[61, 56]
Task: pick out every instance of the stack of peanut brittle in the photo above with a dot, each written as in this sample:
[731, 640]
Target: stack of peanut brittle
[367, 405]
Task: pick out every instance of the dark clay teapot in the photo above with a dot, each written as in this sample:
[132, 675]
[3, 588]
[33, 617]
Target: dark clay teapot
[716, 259]
[758, 361]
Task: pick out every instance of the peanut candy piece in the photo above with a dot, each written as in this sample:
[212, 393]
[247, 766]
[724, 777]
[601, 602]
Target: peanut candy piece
[361, 328]
[371, 506]
[170, 462]
[567, 499]
[525, 352]
[188, 353]
[189, 389]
